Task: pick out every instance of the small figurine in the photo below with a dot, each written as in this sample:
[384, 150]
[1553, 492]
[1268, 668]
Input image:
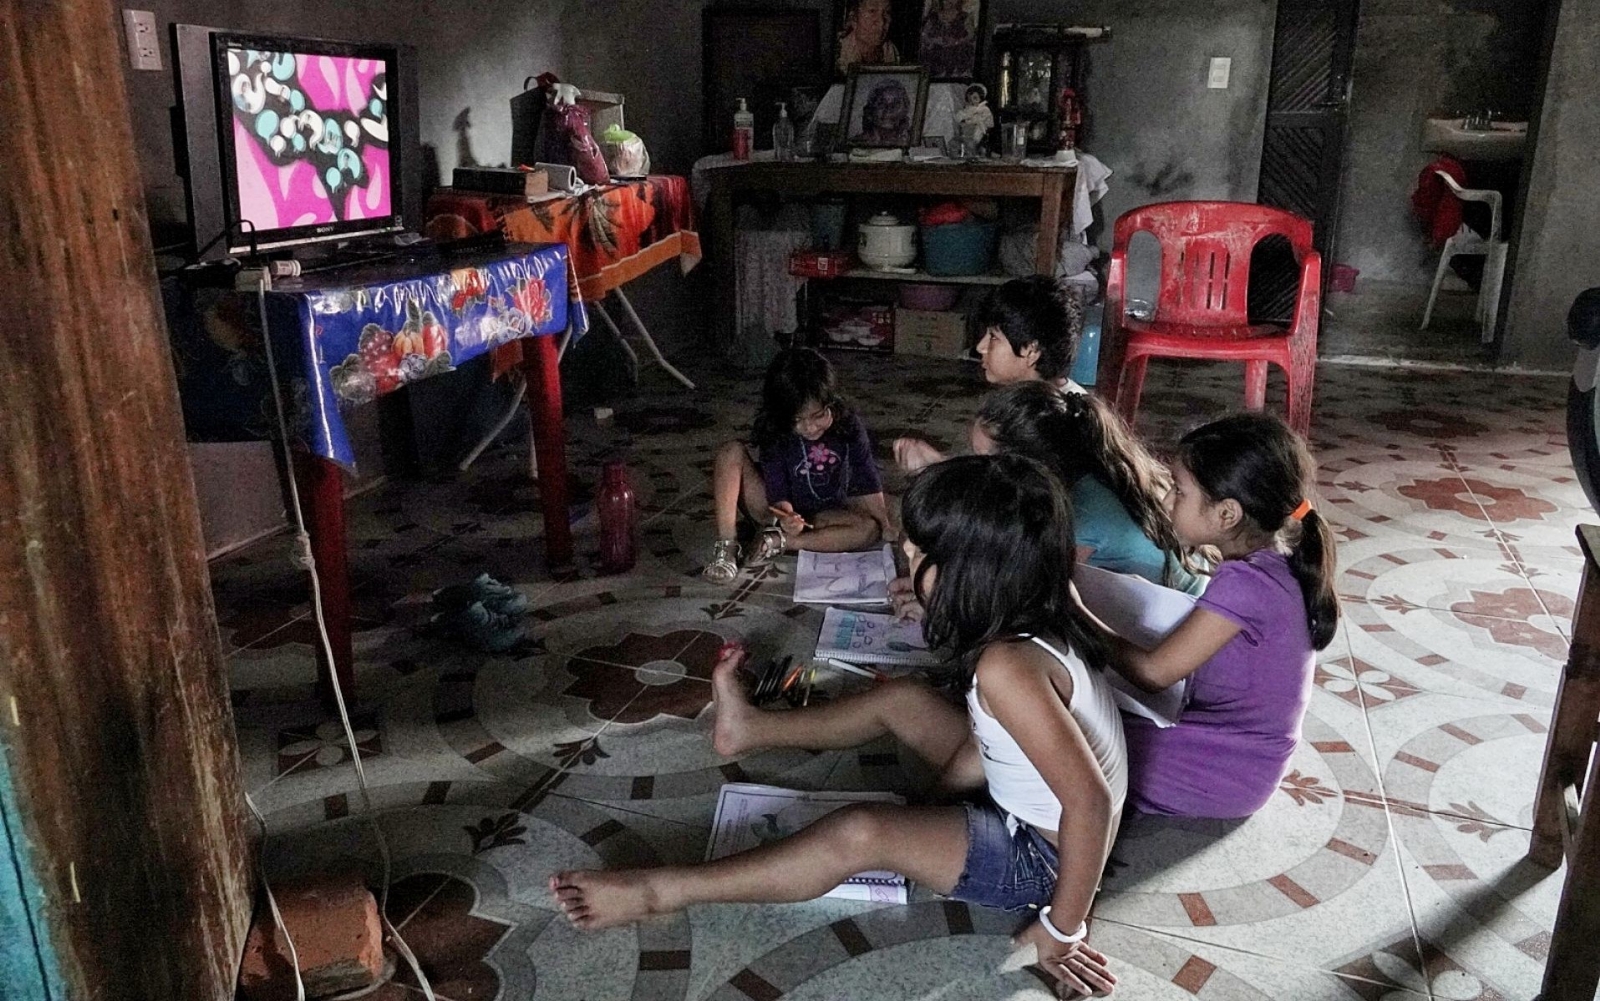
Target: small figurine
[975, 120]
[976, 115]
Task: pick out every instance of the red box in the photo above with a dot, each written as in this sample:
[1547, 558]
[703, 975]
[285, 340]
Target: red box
[857, 326]
[819, 263]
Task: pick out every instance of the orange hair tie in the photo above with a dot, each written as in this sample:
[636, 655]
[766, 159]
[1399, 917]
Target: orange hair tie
[1301, 511]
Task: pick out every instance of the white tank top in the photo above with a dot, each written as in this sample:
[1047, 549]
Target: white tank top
[1015, 784]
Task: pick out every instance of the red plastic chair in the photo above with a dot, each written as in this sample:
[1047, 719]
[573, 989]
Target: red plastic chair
[1202, 308]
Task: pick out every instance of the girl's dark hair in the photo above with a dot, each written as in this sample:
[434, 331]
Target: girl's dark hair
[1038, 310]
[796, 376]
[1257, 461]
[1077, 435]
[998, 531]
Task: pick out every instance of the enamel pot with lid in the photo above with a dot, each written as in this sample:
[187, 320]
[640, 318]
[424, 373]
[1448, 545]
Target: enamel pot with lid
[884, 242]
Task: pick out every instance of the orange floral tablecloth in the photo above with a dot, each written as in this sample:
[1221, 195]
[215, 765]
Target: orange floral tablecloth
[613, 233]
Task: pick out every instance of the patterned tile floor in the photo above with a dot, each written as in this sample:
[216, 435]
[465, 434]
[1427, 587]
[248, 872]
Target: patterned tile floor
[1391, 867]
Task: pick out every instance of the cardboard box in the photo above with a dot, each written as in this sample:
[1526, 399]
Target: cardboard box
[930, 334]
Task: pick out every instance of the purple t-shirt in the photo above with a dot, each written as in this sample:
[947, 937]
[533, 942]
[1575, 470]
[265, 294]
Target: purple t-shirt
[1228, 751]
[817, 475]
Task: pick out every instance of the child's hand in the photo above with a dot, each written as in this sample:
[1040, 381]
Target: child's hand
[904, 599]
[912, 454]
[788, 520]
[1081, 970]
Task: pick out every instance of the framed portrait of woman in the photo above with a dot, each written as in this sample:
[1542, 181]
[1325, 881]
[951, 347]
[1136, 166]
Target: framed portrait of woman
[874, 33]
[950, 39]
[883, 107]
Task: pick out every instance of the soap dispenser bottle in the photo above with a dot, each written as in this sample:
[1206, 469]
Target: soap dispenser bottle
[744, 132]
[783, 135]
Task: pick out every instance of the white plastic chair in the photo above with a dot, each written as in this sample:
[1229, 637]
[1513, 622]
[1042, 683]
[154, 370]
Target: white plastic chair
[1467, 241]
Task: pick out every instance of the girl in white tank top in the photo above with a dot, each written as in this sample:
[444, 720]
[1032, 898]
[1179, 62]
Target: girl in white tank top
[1041, 748]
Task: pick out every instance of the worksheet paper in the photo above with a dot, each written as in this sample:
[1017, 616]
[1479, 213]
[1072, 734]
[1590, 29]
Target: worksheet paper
[1143, 614]
[844, 578]
[750, 815]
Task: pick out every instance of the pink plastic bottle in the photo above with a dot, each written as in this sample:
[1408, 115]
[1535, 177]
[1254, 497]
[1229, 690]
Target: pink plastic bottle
[619, 520]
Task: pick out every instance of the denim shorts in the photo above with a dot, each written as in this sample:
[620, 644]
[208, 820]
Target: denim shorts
[1010, 871]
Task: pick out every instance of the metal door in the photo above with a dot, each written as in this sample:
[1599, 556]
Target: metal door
[1302, 153]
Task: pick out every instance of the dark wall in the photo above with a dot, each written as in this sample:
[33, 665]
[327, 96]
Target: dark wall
[1154, 121]
[1556, 249]
[1419, 59]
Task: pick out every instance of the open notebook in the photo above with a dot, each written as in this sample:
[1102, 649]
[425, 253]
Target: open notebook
[873, 638]
[1143, 614]
[749, 815]
[844, 578]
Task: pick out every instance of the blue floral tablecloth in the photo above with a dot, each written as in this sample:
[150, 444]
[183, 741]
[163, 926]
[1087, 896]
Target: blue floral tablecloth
[348, 337]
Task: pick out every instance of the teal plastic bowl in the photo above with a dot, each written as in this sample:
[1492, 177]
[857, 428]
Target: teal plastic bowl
[960, 248]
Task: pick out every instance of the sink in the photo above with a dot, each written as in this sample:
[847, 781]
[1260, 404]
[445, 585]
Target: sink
[1501, 141]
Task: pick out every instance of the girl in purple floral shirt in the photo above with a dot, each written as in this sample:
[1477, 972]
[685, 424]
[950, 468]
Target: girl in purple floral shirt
[808, 470]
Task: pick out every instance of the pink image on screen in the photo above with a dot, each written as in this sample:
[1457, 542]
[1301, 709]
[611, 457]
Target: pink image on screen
[311, 138]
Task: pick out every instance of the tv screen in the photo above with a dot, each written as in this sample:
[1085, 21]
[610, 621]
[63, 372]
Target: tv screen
[306, 140]
[309, 137]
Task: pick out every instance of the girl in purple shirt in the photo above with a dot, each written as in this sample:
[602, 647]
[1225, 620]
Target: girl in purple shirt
[1249, 647]
[807, 473]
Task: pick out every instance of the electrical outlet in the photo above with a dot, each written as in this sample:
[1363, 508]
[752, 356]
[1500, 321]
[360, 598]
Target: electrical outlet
[1217, 78]
[144, 46]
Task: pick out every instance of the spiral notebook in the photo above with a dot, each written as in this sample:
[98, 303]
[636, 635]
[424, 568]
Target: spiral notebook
[750, 815]
[873, 638]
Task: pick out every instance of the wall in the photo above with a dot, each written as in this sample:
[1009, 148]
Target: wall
[1417, 59]
[1154, 122]
[1555, 253]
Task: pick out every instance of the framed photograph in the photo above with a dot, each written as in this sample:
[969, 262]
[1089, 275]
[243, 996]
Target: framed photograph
[874, 33]
[883, 106]
[950, 39]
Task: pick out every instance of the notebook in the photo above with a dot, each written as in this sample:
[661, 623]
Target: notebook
[844, 578]
[873, 638]
[1143, 614]
[749, 815]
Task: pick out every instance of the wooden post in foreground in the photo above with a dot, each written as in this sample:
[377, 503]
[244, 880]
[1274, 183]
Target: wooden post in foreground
[119, 783]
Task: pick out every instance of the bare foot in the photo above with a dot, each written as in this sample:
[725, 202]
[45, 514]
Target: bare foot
[731, 730]
[594, 899]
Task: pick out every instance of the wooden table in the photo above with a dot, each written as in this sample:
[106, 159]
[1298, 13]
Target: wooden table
[964, 180]
[1566, 814]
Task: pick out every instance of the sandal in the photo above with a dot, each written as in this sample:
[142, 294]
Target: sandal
[724, 565]
[770, 546]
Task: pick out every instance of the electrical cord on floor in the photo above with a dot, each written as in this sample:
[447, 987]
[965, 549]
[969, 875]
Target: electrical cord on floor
[303, 558]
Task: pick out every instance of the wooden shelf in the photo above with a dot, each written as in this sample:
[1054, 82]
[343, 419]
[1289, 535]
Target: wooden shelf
[922, 277]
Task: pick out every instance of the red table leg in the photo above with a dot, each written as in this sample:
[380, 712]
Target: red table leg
[542, 368]
[322, 493]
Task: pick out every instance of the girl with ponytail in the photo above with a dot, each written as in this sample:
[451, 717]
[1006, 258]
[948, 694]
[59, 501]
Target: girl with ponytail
[1242, 485]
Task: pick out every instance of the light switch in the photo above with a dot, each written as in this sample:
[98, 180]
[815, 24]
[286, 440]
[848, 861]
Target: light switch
[144, 48]
[1217, 79]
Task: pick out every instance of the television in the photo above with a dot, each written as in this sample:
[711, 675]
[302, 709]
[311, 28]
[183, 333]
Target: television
[290, 141]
